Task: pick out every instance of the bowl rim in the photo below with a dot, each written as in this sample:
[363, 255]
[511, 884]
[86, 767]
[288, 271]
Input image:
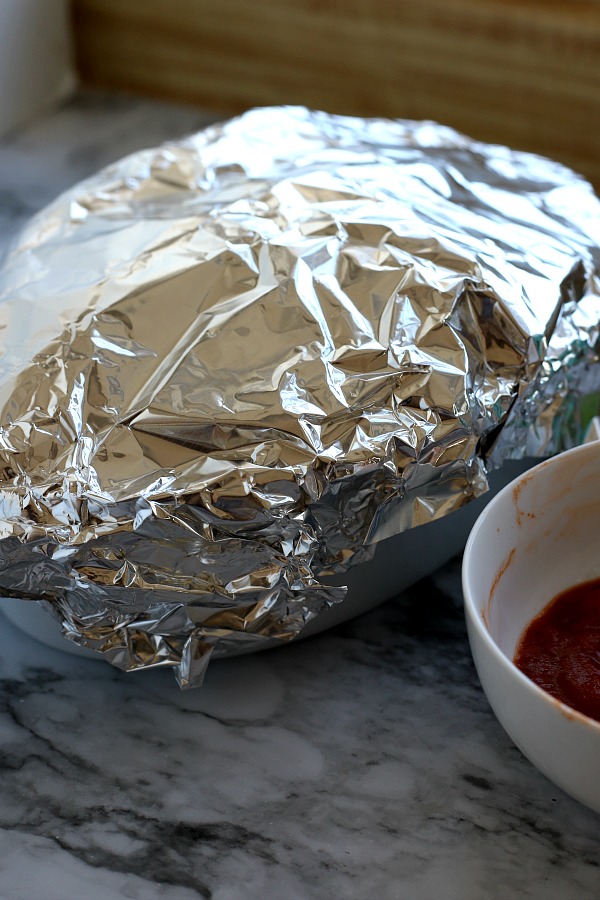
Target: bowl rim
[472, 610]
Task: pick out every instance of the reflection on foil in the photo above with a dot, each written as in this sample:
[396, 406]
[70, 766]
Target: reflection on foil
[232, 364]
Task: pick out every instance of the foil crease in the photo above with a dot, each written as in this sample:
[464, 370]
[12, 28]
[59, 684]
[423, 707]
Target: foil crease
[232, 364]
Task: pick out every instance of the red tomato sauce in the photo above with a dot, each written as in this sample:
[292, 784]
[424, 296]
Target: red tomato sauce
[560, 648]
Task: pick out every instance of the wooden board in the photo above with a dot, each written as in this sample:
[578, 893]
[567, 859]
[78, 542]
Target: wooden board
[523, 73]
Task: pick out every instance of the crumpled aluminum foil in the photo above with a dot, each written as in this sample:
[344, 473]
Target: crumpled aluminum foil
[232, 364]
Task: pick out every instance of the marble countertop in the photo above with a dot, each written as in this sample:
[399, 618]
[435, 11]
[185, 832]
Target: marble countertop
[362, 763]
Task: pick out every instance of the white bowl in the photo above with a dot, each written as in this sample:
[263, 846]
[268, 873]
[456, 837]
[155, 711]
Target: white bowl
[398, 562]
[536, 538]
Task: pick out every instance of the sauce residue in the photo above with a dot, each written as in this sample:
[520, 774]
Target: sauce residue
[560, 648]
[485, 614]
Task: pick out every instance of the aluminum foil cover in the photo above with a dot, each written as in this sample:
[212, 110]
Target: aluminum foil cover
[232, 364]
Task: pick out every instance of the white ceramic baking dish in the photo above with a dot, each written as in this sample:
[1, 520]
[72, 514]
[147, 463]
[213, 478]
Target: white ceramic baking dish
[398, 562]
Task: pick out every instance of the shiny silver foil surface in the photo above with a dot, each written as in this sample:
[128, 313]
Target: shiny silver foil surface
[232, 364]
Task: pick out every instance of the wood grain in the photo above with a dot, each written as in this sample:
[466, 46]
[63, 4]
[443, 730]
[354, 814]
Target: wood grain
[521, 72]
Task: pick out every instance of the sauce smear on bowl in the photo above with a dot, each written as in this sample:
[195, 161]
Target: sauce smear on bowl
[560, 648]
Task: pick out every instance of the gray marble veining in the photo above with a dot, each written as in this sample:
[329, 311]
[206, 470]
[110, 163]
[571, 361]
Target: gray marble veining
[363, 763]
